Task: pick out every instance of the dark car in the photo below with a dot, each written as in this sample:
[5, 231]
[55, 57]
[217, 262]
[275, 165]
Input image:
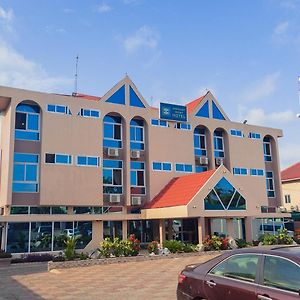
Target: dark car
[266, 273]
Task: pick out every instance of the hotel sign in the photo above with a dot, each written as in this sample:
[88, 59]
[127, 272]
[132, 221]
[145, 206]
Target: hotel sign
[173, 112]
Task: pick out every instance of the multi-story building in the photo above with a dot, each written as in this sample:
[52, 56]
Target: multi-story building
[290, 178]
[112, 166]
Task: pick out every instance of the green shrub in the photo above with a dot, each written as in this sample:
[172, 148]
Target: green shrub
[153, 247]
[187, 248]
[281, 238]
[70, 244]
[241, 243]
[174, 246]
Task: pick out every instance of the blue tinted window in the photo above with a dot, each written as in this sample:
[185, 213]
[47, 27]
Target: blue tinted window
[154, 122]
[89, 113]
[33, 122]
[109, 163]
[137, 165]
[163, 123]
[157, 166]
[60, 109]
[200, 169]
[51, 108]
[19, 172]
[136, 135]
[133, 178]
[81, 160]
[134, 98]
[253, 172]
[188, 168]
[62, 159]
[260, 172]
[31, 172]
[167, 166]
[92, 161]
[25, 187]
[95, 114]
[179, 167]
[243, 171]
[108, 130]
[235, 132]
[26, 157]
[203, 111]
[216, 112]
[30, 108]
[118, 97]
[107, 176]
[26, 135]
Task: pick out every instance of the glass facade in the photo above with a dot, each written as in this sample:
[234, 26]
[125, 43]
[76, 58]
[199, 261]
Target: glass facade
[112, 176]
[137, 178]
[224, 197]
[112, 229]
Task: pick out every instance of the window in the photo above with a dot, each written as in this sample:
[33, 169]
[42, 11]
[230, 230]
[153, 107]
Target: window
[203, 111]
[137, 141]
[224, 196]
[219, 144]
[59, 159]
[240, 171]
[184, 168]
[267, 149]
[270, 184]
[89, 113]
[112, 132]
[242, 267]
[256, 172]
[25, 175]
[287, 198]
[118, 97]
[200, 169]
[199, 142]
[162, 166]
[59, 109]
[183, 126]
[112, 176]
[254, 135]
[216, 112]
[235, 132]
[137, 178]
[161, 123]
[92, 161]
[27, 123]
[282, 274]
[134, 99]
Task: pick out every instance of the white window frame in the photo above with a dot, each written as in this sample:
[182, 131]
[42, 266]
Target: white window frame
[270, 155]
[184, 167]
[112, 185]
[268, 179]
[30, 130]
[70, 157]
[67, 109]
[112, 139]
[162, 170]
[86, 157]
[81, 113]
[199, 135]
[139, 186]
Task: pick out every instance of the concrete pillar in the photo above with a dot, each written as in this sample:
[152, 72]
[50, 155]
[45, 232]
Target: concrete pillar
[97, 236]
[124, 230]
[248, 229]
[230, 227]
[162, 232]
[201, 229]
[170, 229]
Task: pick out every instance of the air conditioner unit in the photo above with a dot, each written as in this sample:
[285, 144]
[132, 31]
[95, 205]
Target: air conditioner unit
[114, 198]
[203, 160]
[113, 152]
[136, 200]
[282, 209]
[135, 154]
[219, 161]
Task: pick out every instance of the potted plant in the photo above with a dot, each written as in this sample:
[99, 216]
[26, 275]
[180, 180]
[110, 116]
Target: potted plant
[5, 258]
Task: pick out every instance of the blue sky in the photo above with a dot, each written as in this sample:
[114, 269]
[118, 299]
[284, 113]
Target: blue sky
[246, 52]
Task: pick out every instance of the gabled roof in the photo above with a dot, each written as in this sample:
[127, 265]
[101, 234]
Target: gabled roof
[180, 190]
[291, 173]
[192, 105]
[88, 97]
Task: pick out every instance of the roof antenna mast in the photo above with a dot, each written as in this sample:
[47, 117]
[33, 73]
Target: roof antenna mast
[76, 77]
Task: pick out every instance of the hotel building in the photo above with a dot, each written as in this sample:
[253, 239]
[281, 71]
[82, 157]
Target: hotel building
[113, 165]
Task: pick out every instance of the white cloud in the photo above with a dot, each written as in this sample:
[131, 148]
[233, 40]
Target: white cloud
[17, 71]
[103, 8]
[258, 116]
[289, 153]
[281, 28]
[262, 89]
[289, 4]
[6, 18]
[144, 37]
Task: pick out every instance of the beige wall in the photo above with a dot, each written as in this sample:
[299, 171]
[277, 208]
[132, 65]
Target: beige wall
[291, 188]
[74, 135]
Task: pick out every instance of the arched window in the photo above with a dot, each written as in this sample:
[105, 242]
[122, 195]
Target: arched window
[219, 145]
[27, 122]
[112, 131]
[267, 148]
[137, 134]
[200, 141]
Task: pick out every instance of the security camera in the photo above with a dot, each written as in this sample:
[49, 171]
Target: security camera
[298, 115]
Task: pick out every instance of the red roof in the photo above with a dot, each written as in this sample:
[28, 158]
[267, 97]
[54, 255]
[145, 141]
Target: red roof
[291, 173]
[191, 106]
[180, 190]
[88, 97]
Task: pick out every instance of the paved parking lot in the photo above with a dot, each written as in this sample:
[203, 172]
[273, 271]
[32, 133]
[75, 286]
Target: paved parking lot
[156, 279]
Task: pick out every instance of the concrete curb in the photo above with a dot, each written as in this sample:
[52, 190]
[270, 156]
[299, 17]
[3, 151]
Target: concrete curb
[117, 260]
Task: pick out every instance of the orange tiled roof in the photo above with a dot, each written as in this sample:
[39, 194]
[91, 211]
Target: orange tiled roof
[290, 173]
[88, 97]
[180, 190]
[191, 106]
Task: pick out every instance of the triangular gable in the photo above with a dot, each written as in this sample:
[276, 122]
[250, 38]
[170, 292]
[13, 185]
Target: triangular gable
[203, 111]
[134, 99]
[118, 97]
[216, 112]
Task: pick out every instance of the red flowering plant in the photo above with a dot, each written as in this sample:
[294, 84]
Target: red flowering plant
[153, 247]
[215, 243]
[135, 244]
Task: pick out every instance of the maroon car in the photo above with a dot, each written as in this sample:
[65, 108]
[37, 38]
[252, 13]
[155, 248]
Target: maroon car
[266, 273]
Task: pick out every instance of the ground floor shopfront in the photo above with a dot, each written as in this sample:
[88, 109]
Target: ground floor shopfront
[30, 236]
